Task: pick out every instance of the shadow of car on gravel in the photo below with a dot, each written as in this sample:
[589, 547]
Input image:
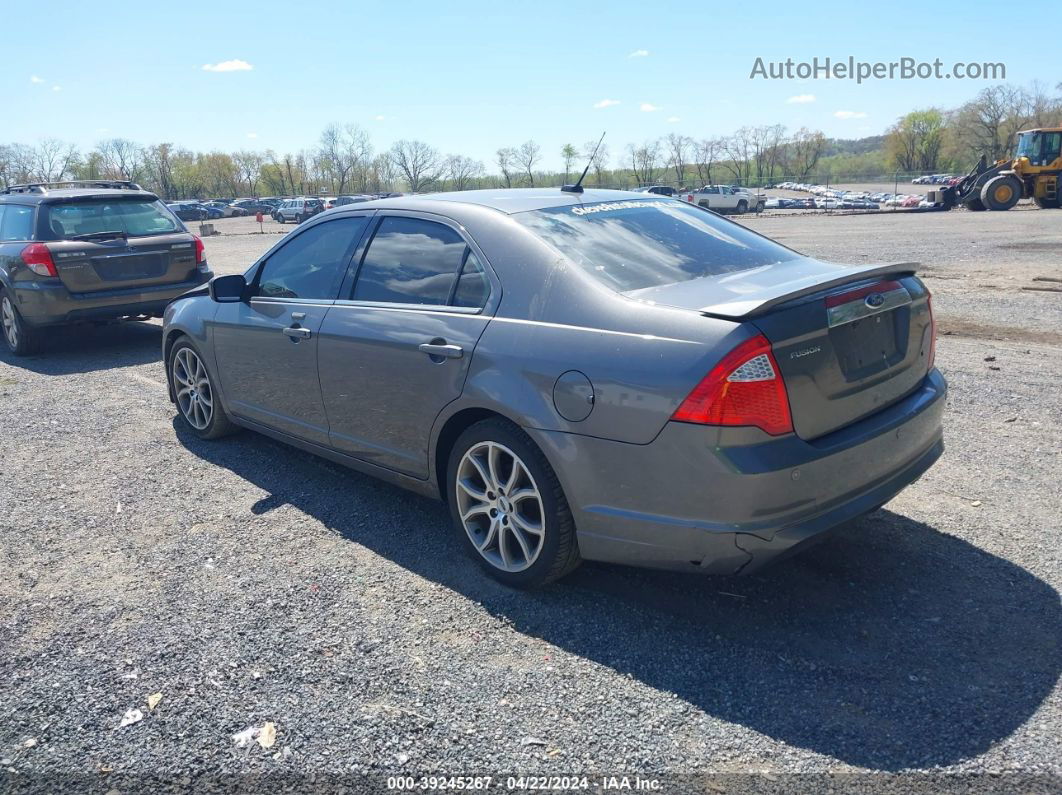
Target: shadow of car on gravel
[892, 645]
[88, 348]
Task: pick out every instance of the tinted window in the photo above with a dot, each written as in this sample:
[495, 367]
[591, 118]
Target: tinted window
[16, 223]
[472, 286]
[630, 245]
[311, 263]
[410, 261]
[134, 217]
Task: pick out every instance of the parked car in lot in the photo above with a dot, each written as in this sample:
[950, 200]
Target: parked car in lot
[660, 386]
[212, 212]
[355, 199]
[659, 190]
[726, 199]
[227, 210]
[188, 211]
[298, 210]
[254, 206]
[81, 251]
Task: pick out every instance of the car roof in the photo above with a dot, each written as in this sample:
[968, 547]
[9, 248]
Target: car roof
[505, 200]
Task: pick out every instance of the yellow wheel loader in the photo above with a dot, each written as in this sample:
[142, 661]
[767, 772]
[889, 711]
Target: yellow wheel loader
[1034, 173]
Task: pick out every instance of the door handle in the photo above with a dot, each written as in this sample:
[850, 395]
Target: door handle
[442, 350]
[296, 331]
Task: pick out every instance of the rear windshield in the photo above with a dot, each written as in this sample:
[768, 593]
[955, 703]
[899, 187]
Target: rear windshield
[134, 217]
[630, 245]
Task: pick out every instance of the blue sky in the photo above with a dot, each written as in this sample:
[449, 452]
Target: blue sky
[468, 77]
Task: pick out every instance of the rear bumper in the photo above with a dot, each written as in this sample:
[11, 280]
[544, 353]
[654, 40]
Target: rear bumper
[50, 303]
[693, 500]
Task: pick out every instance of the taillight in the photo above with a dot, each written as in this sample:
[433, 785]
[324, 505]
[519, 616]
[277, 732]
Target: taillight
[200, 250]
[39, 259]
[745, 388]
[932, 333]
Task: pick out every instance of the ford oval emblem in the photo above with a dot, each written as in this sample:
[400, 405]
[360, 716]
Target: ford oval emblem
[874, 300]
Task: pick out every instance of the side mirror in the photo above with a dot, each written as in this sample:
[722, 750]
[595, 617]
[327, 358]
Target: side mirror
[228, 289]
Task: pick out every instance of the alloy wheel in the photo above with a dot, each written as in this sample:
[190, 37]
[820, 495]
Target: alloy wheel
[500, 506]
[7, 315]
[195, 398]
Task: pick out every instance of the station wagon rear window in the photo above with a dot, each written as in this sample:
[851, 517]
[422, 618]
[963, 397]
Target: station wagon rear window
[134, 217]
[631, 245]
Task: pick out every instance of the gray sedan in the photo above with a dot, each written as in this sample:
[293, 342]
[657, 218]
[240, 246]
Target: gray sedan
[596, 375]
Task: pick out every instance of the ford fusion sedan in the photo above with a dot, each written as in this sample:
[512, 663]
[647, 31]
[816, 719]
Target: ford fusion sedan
[596, 375]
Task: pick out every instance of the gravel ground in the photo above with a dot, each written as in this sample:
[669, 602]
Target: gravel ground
[248, 583]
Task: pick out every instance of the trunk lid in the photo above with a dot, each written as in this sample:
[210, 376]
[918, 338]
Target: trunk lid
[848, 340]
[87, 266]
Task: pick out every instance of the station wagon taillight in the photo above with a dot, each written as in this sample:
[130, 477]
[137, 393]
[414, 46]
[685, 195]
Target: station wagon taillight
[200, 250]
[38, 259]
[745, 388]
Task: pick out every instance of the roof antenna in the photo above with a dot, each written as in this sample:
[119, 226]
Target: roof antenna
[578, 186]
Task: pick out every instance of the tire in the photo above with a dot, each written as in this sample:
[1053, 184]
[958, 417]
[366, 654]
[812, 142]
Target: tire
[495, 522]
[299, 219]
[1002, 192]
[206, 420]
[279, 218]
[975, 204]
[1046, 204]
[21, 339]
[742, 208]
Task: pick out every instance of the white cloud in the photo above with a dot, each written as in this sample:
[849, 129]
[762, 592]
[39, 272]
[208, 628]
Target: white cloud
[252, 135]
[57, 88]
[800, 99]
[673, 119]
[380, 117]
[35, 79]
[606, 103]
[639, 54]
[850, 114]
[234, 65]
[648, 107]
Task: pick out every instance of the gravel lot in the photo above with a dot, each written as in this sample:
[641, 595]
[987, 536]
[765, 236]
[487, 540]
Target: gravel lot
[250, 583]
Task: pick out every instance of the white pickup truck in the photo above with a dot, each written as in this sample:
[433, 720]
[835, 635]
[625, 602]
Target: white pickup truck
[726, 199]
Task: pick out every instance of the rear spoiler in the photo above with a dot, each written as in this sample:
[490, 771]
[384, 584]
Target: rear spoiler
[752, 299]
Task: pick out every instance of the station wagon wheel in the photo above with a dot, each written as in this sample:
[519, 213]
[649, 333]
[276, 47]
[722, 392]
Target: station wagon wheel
[194, 393]
[7, 314]
[508, 506]
[20, 339]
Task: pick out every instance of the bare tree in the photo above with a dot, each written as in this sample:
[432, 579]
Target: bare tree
[527, 155]
[678, 149]
[122, 159]
[708, 151]
[52, 159]
[805, 149]
[419, 163]
[461, 171]
[643, 161]
[505, 158]
[739, 151]
[249, 168]
[568, 155]
[345, 152]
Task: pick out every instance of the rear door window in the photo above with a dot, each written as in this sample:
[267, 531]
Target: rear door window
[410, 261]
[16, 223]
[312, 263]
[134, 217]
